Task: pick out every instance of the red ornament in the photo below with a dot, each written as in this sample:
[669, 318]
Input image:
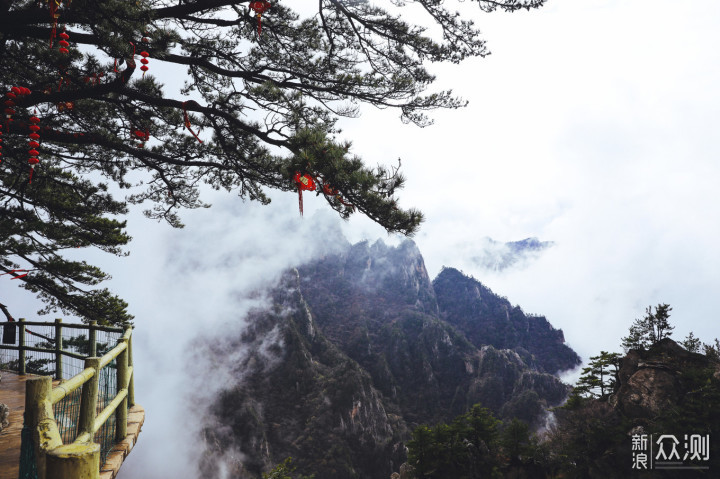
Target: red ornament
[259, 6]
[64, 42]
[14, 272]
[65, 105]
[13, 95]
[54, 5]
[32, 161]
[305, 182]
[186, 119]
[142, 137]
[144, 61]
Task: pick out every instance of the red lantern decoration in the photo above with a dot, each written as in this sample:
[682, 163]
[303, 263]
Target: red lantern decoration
[142, 137]
[260, 6]
[64, 42]
[144, 61]
[305, 182]
[32, 161]
[13, 95]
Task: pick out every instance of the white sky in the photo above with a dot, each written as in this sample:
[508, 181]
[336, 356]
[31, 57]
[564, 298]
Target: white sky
[592, 124]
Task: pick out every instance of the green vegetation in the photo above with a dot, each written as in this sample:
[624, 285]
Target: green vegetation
[474, 445]
[600, 377]
[592, 434]
[284, 470]
[649, 330]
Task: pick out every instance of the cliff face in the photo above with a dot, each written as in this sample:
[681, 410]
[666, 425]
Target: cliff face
[656, 381]
[298, 395]
[353, 354]
[485, 318]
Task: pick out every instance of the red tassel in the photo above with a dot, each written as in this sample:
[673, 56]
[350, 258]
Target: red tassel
[305, 182]
[186, 119]
[300, 200]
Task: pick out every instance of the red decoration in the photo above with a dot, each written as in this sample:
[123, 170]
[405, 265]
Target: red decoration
[259, 6]
[142, 137]
[65, 105]
[54, 5]
[13, 95]
[305, 182]
[14, 272]
[32, 161]
[144, 61]
[64, 42]
[186, 119]
[330, 191]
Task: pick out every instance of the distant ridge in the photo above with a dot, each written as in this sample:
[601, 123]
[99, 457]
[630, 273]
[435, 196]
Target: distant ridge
[492, 255]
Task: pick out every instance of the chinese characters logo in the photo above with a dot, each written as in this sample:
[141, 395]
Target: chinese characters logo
[667, 452]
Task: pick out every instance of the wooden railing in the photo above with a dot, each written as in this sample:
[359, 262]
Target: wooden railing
[81, 457]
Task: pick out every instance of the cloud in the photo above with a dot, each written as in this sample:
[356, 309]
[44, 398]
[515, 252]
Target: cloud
[194, 286]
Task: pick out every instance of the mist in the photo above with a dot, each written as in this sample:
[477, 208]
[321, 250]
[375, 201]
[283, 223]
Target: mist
[192, 288]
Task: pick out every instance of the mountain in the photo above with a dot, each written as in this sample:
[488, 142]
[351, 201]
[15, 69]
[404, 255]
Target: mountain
[485, 318]
[494, 255]
[360, 347]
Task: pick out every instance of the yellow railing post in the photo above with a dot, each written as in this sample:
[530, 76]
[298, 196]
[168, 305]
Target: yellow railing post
[58, 349]
[131, 386]
[21, 344]
[39, 417]
[74, 461]
[92, 335]
[121, 413]
[89, 399]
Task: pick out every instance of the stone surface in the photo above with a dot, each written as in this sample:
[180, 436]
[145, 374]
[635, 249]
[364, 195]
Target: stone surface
[4, 416]
[650, 381]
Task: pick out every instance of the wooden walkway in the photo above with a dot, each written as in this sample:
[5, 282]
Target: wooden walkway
[12, 393]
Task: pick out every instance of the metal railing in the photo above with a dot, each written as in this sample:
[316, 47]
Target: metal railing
[64, 440]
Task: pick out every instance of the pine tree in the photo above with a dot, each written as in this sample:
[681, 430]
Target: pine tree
[258, 109]
[600, 377]
[691, 343]
[649, 330]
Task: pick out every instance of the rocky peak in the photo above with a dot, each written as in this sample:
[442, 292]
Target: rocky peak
[651, 382]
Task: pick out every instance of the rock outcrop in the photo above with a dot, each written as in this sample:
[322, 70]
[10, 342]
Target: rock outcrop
[653, 382]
